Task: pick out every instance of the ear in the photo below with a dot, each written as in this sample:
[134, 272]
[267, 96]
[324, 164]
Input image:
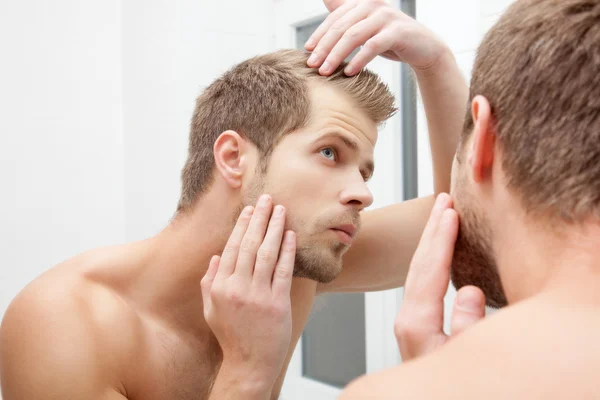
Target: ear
[230, 157]
[484, 139]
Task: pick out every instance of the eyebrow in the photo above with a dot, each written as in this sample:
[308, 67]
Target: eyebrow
[368, 167]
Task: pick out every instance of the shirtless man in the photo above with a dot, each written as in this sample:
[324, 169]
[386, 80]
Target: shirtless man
[526, 185]
[127, 322]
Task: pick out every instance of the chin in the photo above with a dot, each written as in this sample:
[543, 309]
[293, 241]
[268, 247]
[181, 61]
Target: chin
[319, 264]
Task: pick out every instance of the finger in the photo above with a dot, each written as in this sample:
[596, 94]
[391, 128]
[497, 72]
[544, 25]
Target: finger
[426, 241]
[442, 202]
[314, 39]
[207, 281]
[430, 269]
[267, 255]
[469, 308]
[231, 250]
[333, 4]
[337, 30]
[371, 49]
[254, 237]
[282, 276]
[429, 276]
[354, 37]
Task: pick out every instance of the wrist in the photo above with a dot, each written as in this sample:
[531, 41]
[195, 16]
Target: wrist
[247, 378]
[442, 63]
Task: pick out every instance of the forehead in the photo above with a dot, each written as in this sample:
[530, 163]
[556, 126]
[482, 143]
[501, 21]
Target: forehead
[333, 109]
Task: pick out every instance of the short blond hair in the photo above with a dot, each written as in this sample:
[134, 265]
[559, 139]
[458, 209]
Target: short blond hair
[264, 98]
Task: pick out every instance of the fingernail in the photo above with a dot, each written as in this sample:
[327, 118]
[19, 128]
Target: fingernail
[447, 216]
[469, 302]
[248, 210]
[314, 57]
[440, 199]
[325, 67]
[264, 200]
[290, 237]
[278, 210]
[310, 42]
[349, 70]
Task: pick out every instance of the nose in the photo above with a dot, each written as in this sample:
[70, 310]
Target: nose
[357, 195]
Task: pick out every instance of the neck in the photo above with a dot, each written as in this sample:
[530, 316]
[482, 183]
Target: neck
[534, 258]
[167, 284]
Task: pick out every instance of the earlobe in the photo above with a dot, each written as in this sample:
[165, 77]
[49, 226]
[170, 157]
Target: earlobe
[228, 153]
[484, 139]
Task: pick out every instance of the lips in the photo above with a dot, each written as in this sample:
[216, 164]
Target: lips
[345, 233]
[348, 229]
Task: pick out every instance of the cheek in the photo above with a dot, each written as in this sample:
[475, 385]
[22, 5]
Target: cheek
[297, 180]
[300, 191]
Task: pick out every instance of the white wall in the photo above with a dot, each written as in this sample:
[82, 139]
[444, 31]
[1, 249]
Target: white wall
[61, 136]
[171, 51]
[95, 103]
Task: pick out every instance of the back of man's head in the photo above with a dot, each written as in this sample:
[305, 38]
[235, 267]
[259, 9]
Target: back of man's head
[263, 99]
[539, 68]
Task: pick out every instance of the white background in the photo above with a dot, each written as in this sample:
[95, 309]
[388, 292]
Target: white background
[95, 102]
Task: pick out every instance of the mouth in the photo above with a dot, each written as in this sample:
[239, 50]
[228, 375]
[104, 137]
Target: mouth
[345, 233]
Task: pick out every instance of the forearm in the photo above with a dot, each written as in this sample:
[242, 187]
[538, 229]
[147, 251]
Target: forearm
[238, 383]
[445, 94]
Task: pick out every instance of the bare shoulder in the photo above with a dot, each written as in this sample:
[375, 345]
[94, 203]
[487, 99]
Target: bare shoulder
[63, 325]
[528, 351]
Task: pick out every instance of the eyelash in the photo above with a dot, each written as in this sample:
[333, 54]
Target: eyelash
[336, 157]
[333, 149]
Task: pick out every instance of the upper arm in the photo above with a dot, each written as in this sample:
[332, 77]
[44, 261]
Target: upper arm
[380, 257]
[48, 350]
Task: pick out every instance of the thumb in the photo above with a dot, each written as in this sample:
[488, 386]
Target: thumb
[207, 281]
[333, 4]
[469, 308]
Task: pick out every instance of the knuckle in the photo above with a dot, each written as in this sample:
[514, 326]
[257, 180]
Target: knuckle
[278, 311]
[256, 303]
[352, 34]
[262, 304]
[399, 326]
[337, 28]
[216, 290]
[231, 249]
[402, 29]
[373, 44]
[385, 12]
[235, 297]
[215, 296]
[204, 284]
[249, 245]
[399, 331]
[371, 4]
[282, 271]
[265, 255]
[404, 330]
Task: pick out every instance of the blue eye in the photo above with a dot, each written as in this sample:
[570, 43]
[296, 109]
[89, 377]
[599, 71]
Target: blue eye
[329, 153]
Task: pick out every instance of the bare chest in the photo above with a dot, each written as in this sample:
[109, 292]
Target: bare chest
[175, 369]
